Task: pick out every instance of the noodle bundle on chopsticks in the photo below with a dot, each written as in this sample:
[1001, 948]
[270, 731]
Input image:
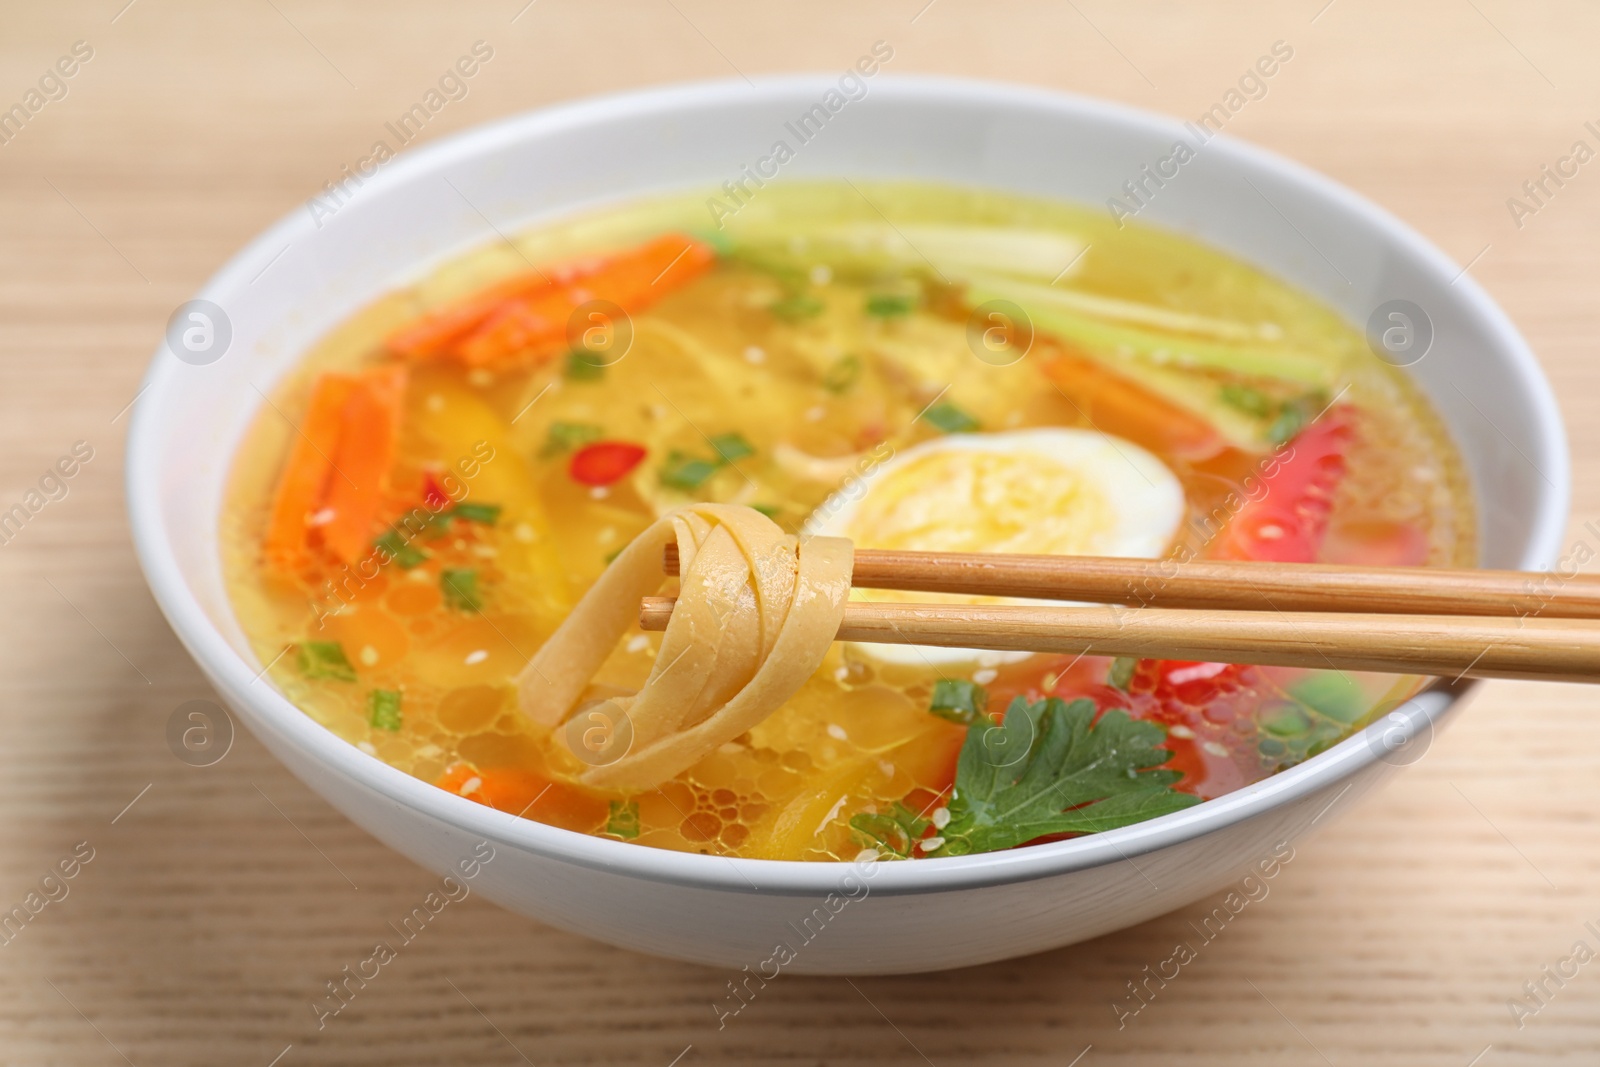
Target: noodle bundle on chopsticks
[756, 612]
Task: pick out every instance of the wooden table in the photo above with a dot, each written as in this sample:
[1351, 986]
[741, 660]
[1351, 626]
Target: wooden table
[218, 900]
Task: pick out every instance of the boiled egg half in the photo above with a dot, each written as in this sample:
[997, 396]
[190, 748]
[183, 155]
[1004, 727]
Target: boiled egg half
[1038, 491]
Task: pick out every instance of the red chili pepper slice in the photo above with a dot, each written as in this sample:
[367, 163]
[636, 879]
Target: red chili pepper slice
[604, 462]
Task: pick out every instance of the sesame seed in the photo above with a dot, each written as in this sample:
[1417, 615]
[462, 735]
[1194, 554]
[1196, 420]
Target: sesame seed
[816, 414]
[638, 643]
[481, 378]
[836, 732]
[523, 532]
[1269, 532]
[941, 818]
[929, 844]
[368, 656]
[474, 658]
[323, 517]
[821, 275]
[985, 676]
[366, 746]
[1215, 749]
[755, 354]
[435, 402]
[471, 785]
[599, 492]
[1180, 731]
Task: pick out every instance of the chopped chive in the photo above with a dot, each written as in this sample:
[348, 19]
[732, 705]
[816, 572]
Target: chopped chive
[623, 820]
[325, 659]
[844, 373]
[1248, 400]
[583, 367]
[797, 307]
[460, 588]
[732, 447]
[566, 436]
[401, 550]
[948, 418]
[888, 305]
[611, 557]
[383, 709]
[769, 510]
[487, 514]
[1120, 673]
[683, 471]
[958, 700]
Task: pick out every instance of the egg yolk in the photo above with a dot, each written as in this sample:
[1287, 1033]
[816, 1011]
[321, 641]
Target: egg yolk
[976, 501]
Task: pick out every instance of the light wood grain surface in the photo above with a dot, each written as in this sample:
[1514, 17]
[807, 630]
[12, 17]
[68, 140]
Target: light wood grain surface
[215, 907]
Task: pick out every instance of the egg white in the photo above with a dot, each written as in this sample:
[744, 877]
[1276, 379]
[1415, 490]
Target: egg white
[1056, 491]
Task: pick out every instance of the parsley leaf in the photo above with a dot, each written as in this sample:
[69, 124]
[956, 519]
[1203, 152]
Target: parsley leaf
[796, 308]
[1049, 768]
[958, 700]
[487, 514]
[947, 418]
[897, 832]
[400, 550]
[460, 588]
[842, 374]
[1120, 674]
[685, 471]
[566, 436]
[889, 305]
[583, 367]
[732, 447]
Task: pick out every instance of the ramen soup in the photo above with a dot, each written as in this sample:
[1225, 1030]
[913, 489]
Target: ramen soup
[451, 471]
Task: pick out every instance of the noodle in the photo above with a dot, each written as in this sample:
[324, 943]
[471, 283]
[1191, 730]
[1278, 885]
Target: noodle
[756, 613]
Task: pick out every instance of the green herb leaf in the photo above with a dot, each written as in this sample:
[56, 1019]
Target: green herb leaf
[1121, 672]
[796, 308]
[460, 588]
[401, 550]
[623, 821]
[1248, 400]
[844, 373]
[769, 510]
[383, 709]
[896, 833]
[888, 305]
[948, 418]
[732, 447]
[487, 514]
[567, 436]
[583, 367]
[958, 700]
[611, 557]
[684, 471]
[325, 659]
[1290, 421]
[1050, 768]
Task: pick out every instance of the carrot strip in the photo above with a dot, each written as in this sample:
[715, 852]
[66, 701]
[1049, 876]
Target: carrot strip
[535, 327]
[369, 438]
[438, 330]
[1119, 406]
[305, 476]
[521, 792]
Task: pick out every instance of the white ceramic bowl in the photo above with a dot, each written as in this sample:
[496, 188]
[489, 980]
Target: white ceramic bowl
[306, 274]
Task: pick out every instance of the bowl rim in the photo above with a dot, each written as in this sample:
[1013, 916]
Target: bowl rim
[269, 712]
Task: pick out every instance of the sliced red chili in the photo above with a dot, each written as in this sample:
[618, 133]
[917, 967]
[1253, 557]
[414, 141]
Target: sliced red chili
[604, 462]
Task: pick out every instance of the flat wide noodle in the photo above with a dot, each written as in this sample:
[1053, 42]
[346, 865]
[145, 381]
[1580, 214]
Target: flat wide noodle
[756, 612]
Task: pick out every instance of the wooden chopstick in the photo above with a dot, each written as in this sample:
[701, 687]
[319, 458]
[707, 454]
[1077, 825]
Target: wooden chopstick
[1294, 587]
[1450, 646]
